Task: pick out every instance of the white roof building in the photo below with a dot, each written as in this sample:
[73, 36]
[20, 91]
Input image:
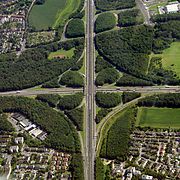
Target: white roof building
[172, 8]
[146, 177]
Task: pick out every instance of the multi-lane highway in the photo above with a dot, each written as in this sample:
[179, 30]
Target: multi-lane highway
[89, 93]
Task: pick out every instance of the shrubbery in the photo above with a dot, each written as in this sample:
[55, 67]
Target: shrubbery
[130, 17]
[99, 169]
[108, 100]
[50, 99]
[72, 79]
[69, 102]
[105, 21]
[75, 28]
[77, 117]
[129, 96]
[54, 83]
[108, 75]
[101, 114]
[165, 17]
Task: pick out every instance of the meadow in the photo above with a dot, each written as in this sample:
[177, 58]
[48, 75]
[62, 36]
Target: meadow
[52, 13]
[158, 117]
[171, 57]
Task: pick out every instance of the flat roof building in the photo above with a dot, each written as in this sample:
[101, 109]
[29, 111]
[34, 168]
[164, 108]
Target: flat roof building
[172, 8]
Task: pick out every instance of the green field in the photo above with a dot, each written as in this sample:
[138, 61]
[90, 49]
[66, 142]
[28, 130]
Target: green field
[52, 13]
[61, 52]
[158, 117]
[171, 58]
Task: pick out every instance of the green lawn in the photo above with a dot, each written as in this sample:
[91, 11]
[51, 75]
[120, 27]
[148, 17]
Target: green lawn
[171, 57]
[52, 13]
[158, 117]
[61, 52]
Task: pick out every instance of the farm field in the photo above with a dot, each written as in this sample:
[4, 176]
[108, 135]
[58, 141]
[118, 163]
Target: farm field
[62, 53]
[171, 58]
[52, 13]
[158, 117]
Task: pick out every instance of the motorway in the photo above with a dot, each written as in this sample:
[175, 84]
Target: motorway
[90, 93]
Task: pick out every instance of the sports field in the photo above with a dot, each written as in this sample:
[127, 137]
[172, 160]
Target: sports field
[62, 53]
[158, 117]
[52, 13]
[171, 57]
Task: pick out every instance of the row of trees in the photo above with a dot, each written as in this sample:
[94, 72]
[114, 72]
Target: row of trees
[33, 67]
[61, 133]
[105, 21]
[129, 96]
[171, 100]
[106, 5]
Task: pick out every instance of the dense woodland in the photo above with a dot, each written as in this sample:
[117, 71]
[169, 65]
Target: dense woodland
[171, 100]
[105, 21]
[107, 100]
[108, 75]
[75, 28]
[78, 65]
[69, 102]
[54, 83]
[72, 79]
[116, 143]
[61, 133]
[129, 96]
[105, 5]
[127, 48]
[130, 17]
[33, 68]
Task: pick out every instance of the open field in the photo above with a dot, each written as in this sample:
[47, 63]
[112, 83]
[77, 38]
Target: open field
[62, 53]
[171, 57]
[158, 117]
[52, 13]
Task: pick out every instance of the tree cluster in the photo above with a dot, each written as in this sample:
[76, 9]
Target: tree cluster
[69, 102]
[99, 169]
[127, 48]
[105, 21]
[78, 65]
[54, 83]
[170, 100]
[50, 99]
[107, 100]
[77, 117]
[129, 96]
[101, 114]
[61, 133]
[75, 28]
[128, 80]
[129, 18]
[101, 64]
[108, 75]
[5, 125]
[72, 79]
[106, 5]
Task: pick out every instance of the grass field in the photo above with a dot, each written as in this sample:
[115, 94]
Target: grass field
[158, 117]
[171, 57]
[52, 13]
[61, 52]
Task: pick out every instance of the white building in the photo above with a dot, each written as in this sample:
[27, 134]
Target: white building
[146, 177]
[19, 140]
[172, 8]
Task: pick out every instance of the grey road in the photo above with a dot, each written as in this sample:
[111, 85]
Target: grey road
[90, 92]
[144, 12]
